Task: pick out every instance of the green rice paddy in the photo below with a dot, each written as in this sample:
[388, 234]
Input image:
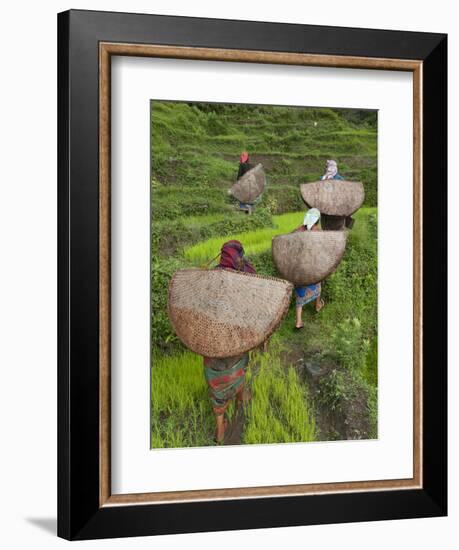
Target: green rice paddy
[181, 416]
[254, 242]
[280, 410]
[194, 162]
[180, 412]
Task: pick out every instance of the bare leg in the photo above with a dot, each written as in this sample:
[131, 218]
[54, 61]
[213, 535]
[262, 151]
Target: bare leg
[242, 396]
[221, 427]
[319, 303]
[299, 320]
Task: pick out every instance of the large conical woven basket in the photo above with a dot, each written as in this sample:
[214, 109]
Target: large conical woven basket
[334, 197]
[306, 258]
[223, 313]
[250, 186]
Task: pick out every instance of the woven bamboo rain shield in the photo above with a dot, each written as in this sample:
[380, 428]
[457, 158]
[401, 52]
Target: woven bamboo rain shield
[223, 313]
[250, 186]
[334, 197]
[308, 257]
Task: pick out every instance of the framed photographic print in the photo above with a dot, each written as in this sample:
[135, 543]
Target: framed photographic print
[252, 274]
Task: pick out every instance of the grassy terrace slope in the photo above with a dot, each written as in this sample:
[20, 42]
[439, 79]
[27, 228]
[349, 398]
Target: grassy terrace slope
[255, 241]
[195, 152]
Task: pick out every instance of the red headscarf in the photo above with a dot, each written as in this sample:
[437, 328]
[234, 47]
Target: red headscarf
[232, 257]
[244, 157]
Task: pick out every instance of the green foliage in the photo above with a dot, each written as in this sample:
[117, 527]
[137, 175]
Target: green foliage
[162, 335]
[181, 415]
[359, 117]
[254, 242]
[369, 177]
[370, 369]
[352, 399]
[352, 289]
[372, 405]
[195, 152]
[279, 411]
[196, 145]
[349, 346]
[263, 263]
[215, 125]
[348, 325]
[239, 222]
[170, 236]
[283, 198]
[333, 390]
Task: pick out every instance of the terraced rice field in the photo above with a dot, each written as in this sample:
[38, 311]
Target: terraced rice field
[194, 162]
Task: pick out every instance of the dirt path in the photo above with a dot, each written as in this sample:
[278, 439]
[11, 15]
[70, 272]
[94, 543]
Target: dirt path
[233, 435]
[350, 419]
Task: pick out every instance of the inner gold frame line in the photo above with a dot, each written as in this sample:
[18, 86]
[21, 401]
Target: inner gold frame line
[106, 51]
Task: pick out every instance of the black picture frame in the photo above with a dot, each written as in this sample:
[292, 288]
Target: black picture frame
[80, 515]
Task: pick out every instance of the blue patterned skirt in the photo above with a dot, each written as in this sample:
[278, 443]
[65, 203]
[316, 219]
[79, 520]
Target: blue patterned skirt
[306, 294]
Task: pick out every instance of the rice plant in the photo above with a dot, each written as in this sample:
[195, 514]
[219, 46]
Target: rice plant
[279, 411]
[181, 415]
[195, 151]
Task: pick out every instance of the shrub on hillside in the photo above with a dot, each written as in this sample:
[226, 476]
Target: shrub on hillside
[353, 286]
[349, 345]
[287, 198]
[162, 334]
[264, 264]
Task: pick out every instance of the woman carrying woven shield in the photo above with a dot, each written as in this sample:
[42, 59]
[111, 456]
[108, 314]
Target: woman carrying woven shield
[244, 164]
[309, 293]
[226, 376]
[244, 167]
[331, 173]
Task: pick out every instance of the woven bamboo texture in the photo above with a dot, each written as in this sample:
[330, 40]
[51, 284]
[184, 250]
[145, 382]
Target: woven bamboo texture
[308, 257]
[223, 313]
[334, 197]
[250, 186]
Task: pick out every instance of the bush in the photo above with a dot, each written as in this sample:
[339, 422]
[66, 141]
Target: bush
[263, 263]
[162, 334]
[353, 287]
[372, 405]
[284, 198]
[333, 391]
[369, 177]
[169, 236]
[370, 370]
[349, 346]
